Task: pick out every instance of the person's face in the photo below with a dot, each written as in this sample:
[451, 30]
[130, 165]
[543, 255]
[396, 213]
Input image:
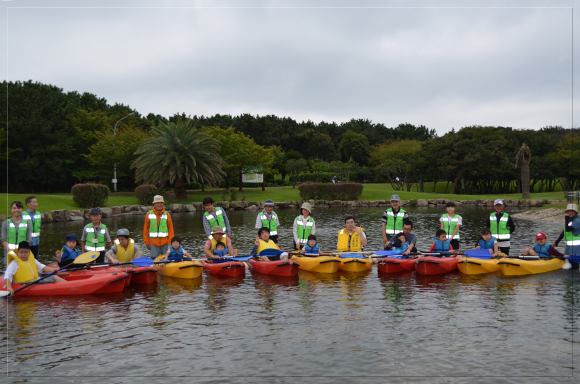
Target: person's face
[542, 241]
[71, 244]
[407, 229]
[571, 213]
[486, 237]
[350, 224]
[312, 243]
[208, 207]
[395, 204]
[305, 212]
[158, 206]
[268, 209]
[175, 245]
[265, 235]
[23, 254]
[123, 241]
[33, 205]
[96, 218]
[16, 211]
[402, 238]
[218, 236]
[220, 247]
[442, 237]
[498, 208]
[451, 210]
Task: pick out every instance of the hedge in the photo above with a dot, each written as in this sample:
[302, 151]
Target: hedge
[90, 195]
[144, 193]
[330, 191]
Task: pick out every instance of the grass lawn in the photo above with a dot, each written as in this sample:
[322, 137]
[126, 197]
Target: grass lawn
[49, 202]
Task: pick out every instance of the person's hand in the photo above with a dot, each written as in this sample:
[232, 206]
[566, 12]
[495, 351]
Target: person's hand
[298, 246]
[303, 250]
[478, 247]
[358, 230]
[229, 235]
[407, 253]
[257, 242]
[115, 261]
[385, 239]
[11, 290]
[149, 246]
[554, 245]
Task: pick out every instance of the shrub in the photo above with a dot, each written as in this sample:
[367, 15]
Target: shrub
[233, 194]
[329, 191]
[145, 193]
[90, 195]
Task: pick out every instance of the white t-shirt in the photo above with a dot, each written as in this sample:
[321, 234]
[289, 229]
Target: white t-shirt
[13, 268]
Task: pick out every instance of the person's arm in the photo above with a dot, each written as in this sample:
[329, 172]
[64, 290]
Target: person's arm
[455, 231]
[83, 246]
[112, 259]
[187, 254]
[258, 222]
[206, 250]
[254, 250]
[112, 250]
[146, 232]
[4, 235]
[554, 252]
[206, 225]
[313, 229]
[405, 216]
[495, 249]
[170, 227]
[227, 221]
[29, 232]
[432, 247]
[488, 222]
[295, 231]
[555, 244]
[44, 268]
[412, 244]
[363, 237]
[511, 225]
[277, 221]
[108, 239]
[384, 228]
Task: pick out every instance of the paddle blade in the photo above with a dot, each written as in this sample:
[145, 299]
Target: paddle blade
[353, 256]
[479, 254]
[142, 262]
[86, 257]
[271, 252]
[386, 253]
[239, 258]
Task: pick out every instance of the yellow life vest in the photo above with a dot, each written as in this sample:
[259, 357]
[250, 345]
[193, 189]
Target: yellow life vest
[125, 255]
[214, 242]
[343, 239]
[263, 245]
[27, 270]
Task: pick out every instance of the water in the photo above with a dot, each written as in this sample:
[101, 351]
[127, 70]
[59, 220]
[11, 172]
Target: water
[343, 327]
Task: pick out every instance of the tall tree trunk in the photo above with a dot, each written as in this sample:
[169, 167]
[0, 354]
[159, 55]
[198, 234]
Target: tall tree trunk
[240, 188]
[202, 186]
[525, 180]
[455, 182]
[179, 189]
[421, 183]
[447, 186]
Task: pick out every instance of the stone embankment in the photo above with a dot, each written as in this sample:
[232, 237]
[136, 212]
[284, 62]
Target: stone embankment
[84, 214]
[549, 214]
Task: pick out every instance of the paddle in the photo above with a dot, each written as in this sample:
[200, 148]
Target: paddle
[479, 254]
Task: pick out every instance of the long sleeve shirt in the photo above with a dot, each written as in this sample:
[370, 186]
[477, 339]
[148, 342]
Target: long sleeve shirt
[4, 230]
[158, 241]
[295, 228]
[207, 227]
[259, 220]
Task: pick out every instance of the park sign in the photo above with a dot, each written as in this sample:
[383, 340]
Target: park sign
[253, 174]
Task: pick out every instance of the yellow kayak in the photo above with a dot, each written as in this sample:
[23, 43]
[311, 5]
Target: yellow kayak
[355, 264]
[474, 266]
[180, 269]
[519, 267]
[320, 264]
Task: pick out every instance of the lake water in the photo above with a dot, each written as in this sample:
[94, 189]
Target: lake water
[314, 328]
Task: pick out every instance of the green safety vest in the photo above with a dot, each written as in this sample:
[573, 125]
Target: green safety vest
[394, 222]
[304, 230]
[34, 222]
[100, 245]
[270, 224]
[449, 226]
[571, 240]
[161, 230]
[217, 220]
[15, 237]
[499, 229]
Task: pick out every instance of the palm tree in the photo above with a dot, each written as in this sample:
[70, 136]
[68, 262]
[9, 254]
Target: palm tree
[178, 152]
[525, 155]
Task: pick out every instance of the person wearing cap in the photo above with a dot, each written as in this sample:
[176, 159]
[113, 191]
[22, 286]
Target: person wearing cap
[217, 235]
[34, 219]
[69, 252]
[571, 232]
[125, 249]
[96, 236]
[215, 217]
[392, 220]
[450, 223]
[15, 229]
[303, 227]
[542, 248]
[269, 219]
[158, 228]
[501, 226]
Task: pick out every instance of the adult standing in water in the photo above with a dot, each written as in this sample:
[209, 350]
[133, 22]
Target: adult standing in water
[351, 237]
[15, 230]
[501, 225]
[215, 217]
[34, 219]
[269, 219]
[158, 228]
[450, 223]
[571, 232]
[303, 227]
[392, 220]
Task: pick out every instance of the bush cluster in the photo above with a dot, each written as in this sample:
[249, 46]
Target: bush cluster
[329, 191]
[145, 193]
[90, 195]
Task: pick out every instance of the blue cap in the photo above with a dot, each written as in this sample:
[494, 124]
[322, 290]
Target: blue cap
[96, 210]
[72, 236]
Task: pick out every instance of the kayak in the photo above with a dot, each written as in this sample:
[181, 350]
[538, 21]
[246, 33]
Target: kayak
[520, 267]
[144, 275]
[181, 269]
[430, 265]
[227, 268]
[392, 264]
[476, 266]
[355, 263]
[76, 285]
[274, 268]
[320, 264]
[137, 275]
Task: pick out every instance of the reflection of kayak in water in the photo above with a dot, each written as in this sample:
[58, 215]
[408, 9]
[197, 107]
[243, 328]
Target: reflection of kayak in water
[352, 276]
[518, 267]
[286, 281]
[319, 277]
[179, 284]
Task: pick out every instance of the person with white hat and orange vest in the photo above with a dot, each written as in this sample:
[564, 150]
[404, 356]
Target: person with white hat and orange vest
[158, 228]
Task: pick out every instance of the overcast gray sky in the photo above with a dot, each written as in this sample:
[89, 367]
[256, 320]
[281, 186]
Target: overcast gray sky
[422, 62]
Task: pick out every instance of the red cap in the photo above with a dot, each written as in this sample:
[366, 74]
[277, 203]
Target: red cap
[540, 235]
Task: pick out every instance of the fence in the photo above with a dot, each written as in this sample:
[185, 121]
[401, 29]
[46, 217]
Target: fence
[574, 195]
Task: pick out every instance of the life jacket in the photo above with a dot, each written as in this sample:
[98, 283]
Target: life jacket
[542, 250]
[90, 230]
[27, 270]
[303, 230]
[34, 221]
[499, 228]
[402, 249]
[441, 246]
[310, 249]
[67, 253]
[394, 223]
[270, 224]
[217, 219]
[348, 242]
[174, 253]
[158, 230]
[263, 245]
[221, 253]
[214, 242]
[489, 244]
[571, 240]
[15, 237]
[125, 255]
[449, 226]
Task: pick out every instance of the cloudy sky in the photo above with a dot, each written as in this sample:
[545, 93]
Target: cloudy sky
[435, 63]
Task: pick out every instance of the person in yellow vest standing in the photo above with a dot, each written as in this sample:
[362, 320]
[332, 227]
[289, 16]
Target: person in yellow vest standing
[215, 217]
[15, 230]
[158, 228]
[96, 236]
[392, 220]
[303, 227]
[125, 249]
[34, 219]
[269, 219]
[351, 238]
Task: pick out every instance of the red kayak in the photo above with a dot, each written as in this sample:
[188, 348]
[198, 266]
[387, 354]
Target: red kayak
[430, 265]
[144, 275]
[391, 265]
[137, 275]
[274, 268]
[228, 268]
[76, 285]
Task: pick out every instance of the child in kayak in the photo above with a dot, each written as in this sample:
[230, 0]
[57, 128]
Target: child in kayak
[221, 250]
[441, 243]
[311, 245]
[398, 243]
[69, 252]
[263, 242]
[176, 249]
[542, 248]
[23, 268]
[487, 241]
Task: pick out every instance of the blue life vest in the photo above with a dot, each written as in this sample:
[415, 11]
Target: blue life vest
[310, 249]
[402, 249]
[69, 254]
[173, 253]
[542, 250]
[221, 253]
[487, 244]
[441, 246]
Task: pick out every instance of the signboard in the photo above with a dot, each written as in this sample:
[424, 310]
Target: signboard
[253, 176]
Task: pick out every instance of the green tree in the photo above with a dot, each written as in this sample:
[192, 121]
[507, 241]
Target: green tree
[178, 152]
[295, 167]
[567, 158]
[398, 162]
[354, 146]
